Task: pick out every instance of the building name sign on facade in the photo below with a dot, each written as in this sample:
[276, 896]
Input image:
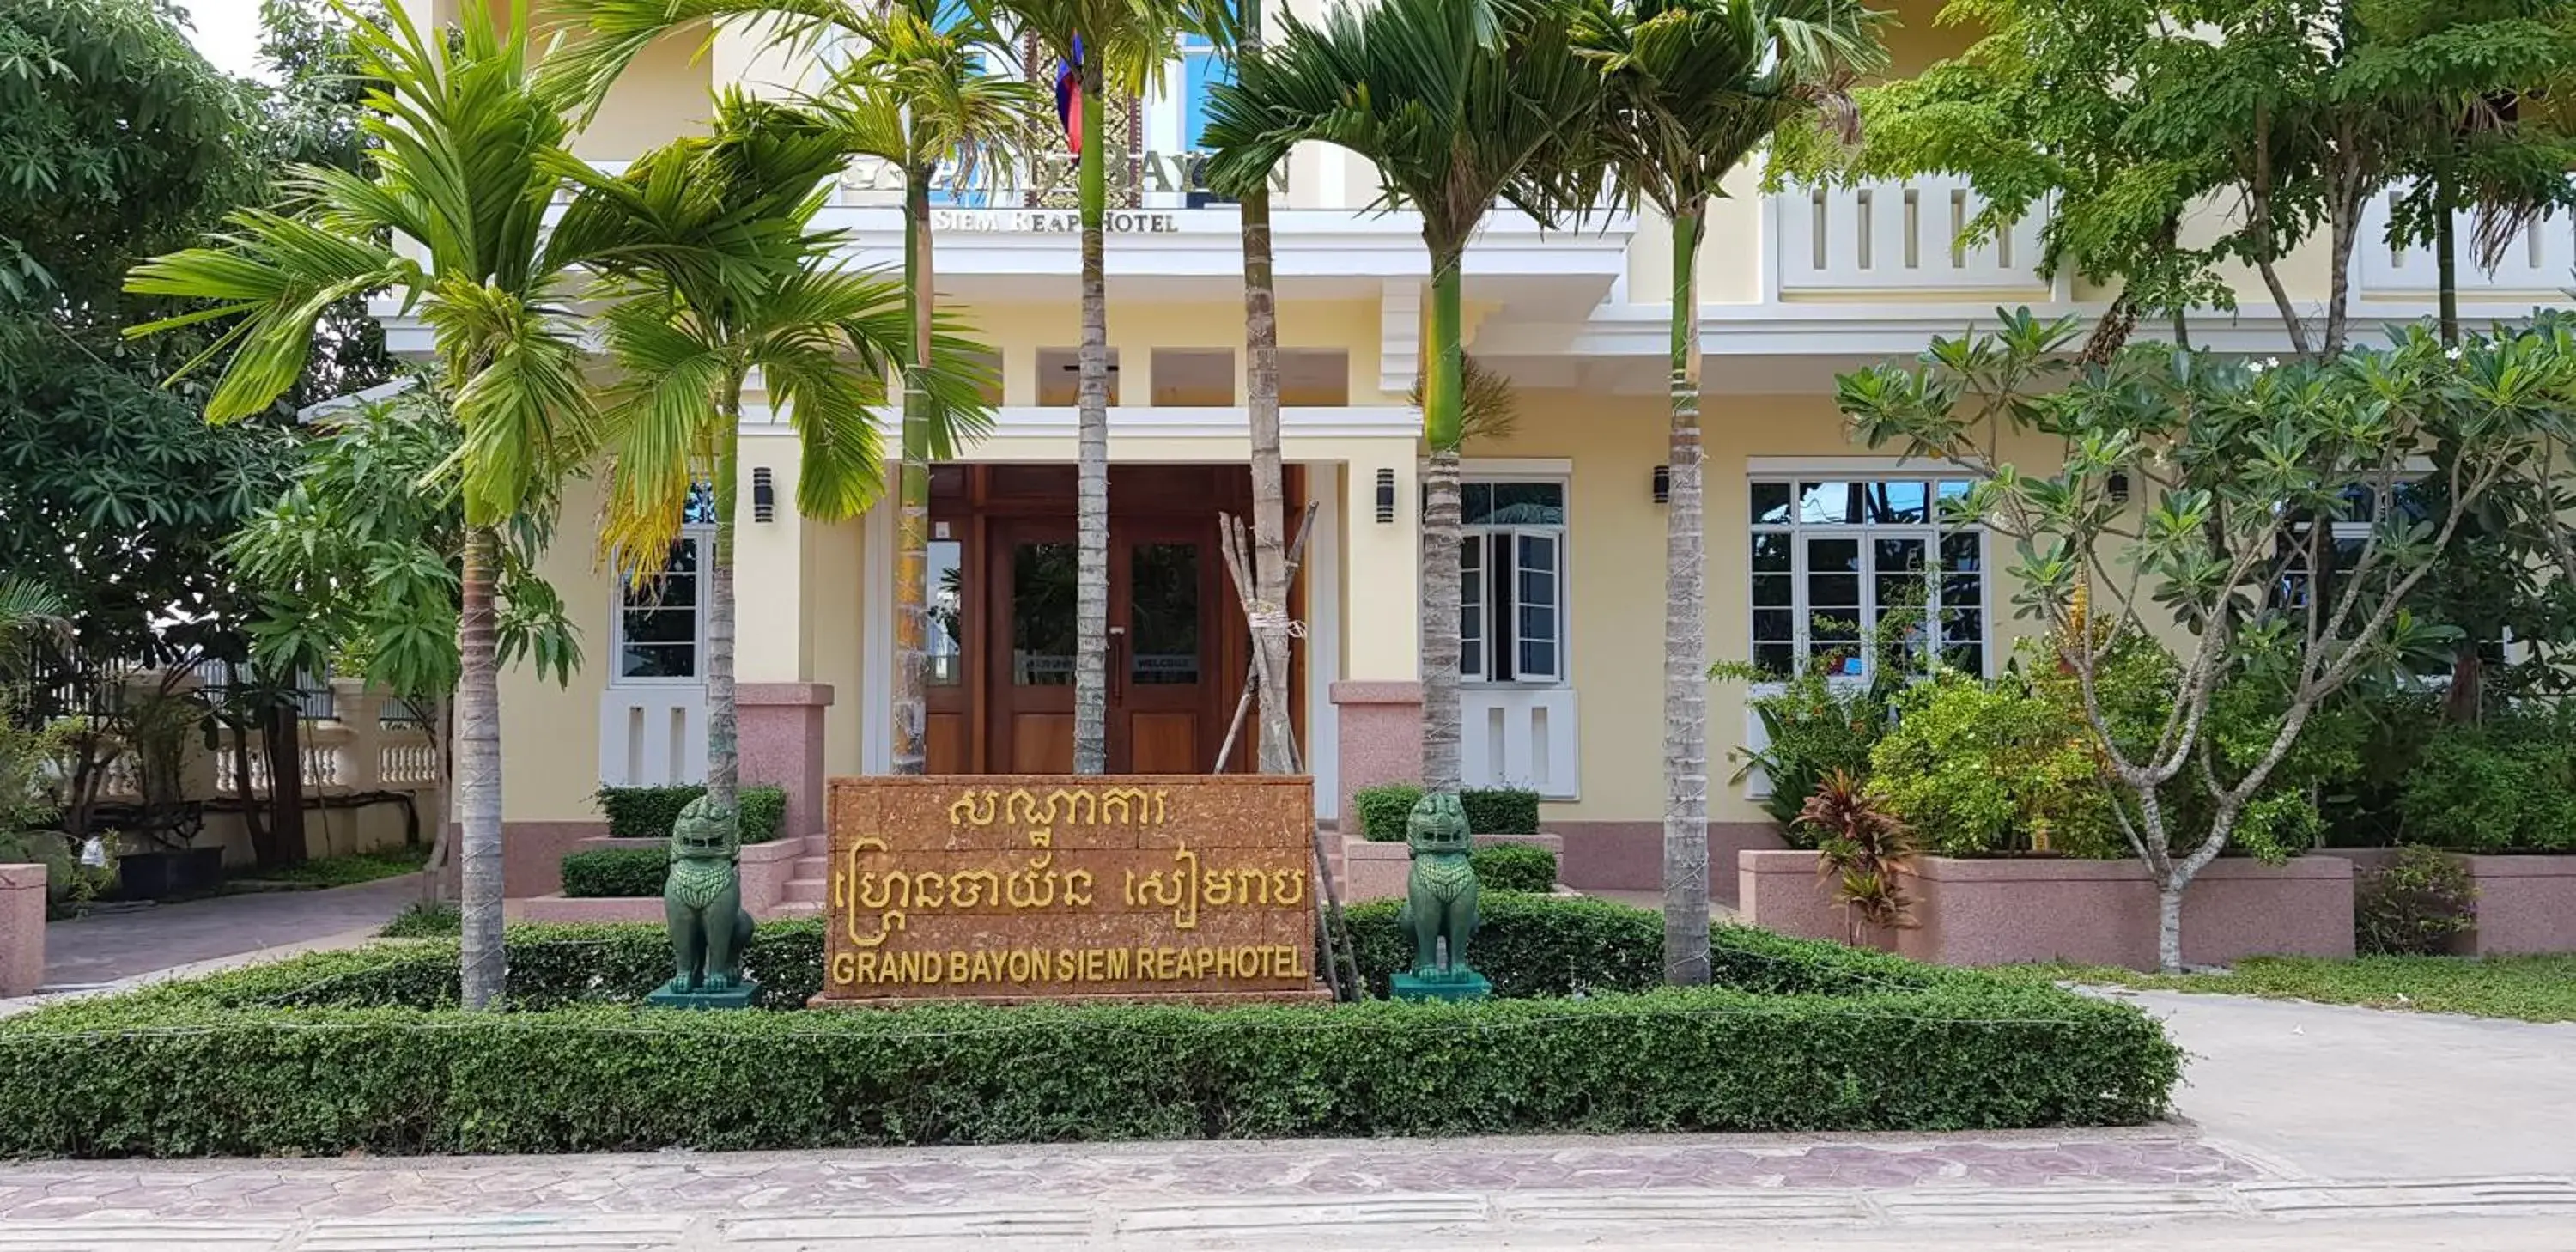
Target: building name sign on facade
[1053, 221]
[1032, 887]
[1165, 172]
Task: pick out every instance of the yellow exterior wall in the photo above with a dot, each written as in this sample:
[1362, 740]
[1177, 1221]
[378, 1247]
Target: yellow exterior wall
[550, 734]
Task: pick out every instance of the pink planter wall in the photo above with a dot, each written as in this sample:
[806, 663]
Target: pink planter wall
[2012, 911]
[1629, 856]
[22, 929]
[2525, 904]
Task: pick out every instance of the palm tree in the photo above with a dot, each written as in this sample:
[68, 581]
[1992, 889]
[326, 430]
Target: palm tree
[1689, 89]
[1119, 45]
[916, 98]
[1457, 103]
[1261, 411]
[470, 133]
[754, 288]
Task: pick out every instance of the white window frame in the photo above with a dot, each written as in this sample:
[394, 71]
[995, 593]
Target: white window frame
[703, 538]
[1561, 533]
[1931, 531]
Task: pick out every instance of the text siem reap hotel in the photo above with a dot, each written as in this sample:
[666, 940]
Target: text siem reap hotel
[1564, 551]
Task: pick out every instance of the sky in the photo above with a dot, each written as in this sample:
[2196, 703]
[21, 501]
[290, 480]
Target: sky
[227, 32]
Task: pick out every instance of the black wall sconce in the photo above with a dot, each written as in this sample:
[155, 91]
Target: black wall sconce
[1386, 497]
[1663, 484]
[764, 497]
[2119, 487]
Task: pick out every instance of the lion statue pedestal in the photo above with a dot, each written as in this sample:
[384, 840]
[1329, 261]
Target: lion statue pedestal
[702, 901]
[1439, 913]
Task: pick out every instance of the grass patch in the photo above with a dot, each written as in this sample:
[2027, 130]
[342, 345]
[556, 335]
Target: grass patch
[338, 871]
[2523, 988]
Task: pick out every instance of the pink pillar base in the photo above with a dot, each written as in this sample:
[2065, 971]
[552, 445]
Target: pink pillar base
[1381, 738]
[781, 732]
[22, 929]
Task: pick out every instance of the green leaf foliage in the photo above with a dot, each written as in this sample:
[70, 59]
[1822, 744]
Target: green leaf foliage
[2507, 786]
[1490, 810]
[1976, 767]
[648, 812]
[1514, 867]
[2413, 906]
[355, 1052]
[619, 873]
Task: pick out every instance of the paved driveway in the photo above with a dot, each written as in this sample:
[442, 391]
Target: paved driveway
[105, 947]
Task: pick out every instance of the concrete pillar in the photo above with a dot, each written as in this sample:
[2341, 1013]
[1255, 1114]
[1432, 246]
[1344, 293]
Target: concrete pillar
[781, 727]
[22, 929]
[1378, 701]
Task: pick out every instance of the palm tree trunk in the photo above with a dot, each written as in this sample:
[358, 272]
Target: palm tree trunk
[478, 773]
[1261, 410]
[1441, 763]
[724, 742]
[1685, 635]
[912, 539]
[1091, 602]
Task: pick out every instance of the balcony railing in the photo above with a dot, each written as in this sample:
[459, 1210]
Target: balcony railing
[1897, 236]
[2538, 262]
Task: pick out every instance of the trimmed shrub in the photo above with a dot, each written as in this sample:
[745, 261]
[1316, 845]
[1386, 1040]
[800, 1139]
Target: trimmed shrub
[647, 812]
[1500, 810]
[359, 1069]
[2505, 787]
[619, 872]
[1489, 810]
[1384, 807]
[1514, 867]
[2414, 905]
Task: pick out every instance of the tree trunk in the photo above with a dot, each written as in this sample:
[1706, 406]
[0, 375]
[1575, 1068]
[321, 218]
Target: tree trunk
[1441, 415]
[724, 718]
[478, 772]
[1091, 599]
[2446, 261]
[2112, 332]
[280, 726]
[912, 534]
[1685, 635]
[1278, 744]
[442, 746]
[2169, 922]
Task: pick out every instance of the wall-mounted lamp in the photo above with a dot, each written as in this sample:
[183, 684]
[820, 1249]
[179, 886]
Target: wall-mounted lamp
[1386, 497]
[764, 497]
[1663, 484]
[2119, 487]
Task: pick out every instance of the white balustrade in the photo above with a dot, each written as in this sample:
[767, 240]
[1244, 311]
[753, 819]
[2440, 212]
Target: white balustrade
[1520, 737]
[2538, 263]
[1898, 237]
[652, 736]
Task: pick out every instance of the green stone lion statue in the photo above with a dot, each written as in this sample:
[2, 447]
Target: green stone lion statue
[1440, 898]
[702, 900]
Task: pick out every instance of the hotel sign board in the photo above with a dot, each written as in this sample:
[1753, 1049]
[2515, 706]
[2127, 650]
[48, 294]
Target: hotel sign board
[1044, 887]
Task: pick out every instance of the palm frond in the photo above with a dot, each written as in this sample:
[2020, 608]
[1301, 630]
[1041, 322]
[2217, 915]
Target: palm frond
[1489, 406]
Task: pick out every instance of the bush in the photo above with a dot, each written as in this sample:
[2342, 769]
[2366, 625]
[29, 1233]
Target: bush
[2414, 905]
[314, 1056]
[1978, 767]
[619, 872]
[1514, 867]
[1500, 810]
[1811, 728]
[647, 812]
[423, 919]
[2506, 787]
[1490, 810]
[1384, 807]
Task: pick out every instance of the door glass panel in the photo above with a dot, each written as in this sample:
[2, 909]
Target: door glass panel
[946, 633]
[1043, 578]
[1163, 614]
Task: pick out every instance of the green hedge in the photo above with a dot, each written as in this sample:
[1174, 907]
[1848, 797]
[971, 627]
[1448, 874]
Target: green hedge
[647, 812]
[1489, 810]
[621, 872]
[331, 1054]
[1514, 867]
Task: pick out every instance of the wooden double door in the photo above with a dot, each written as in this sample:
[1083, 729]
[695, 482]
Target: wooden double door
[1010, 574]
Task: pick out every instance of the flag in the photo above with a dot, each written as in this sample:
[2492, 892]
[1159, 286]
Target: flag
[1068, 98]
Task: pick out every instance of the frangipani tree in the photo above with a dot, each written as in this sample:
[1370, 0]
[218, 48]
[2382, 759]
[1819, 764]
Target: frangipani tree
[2246, 467]
[1459, 103]
[1689, 89]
